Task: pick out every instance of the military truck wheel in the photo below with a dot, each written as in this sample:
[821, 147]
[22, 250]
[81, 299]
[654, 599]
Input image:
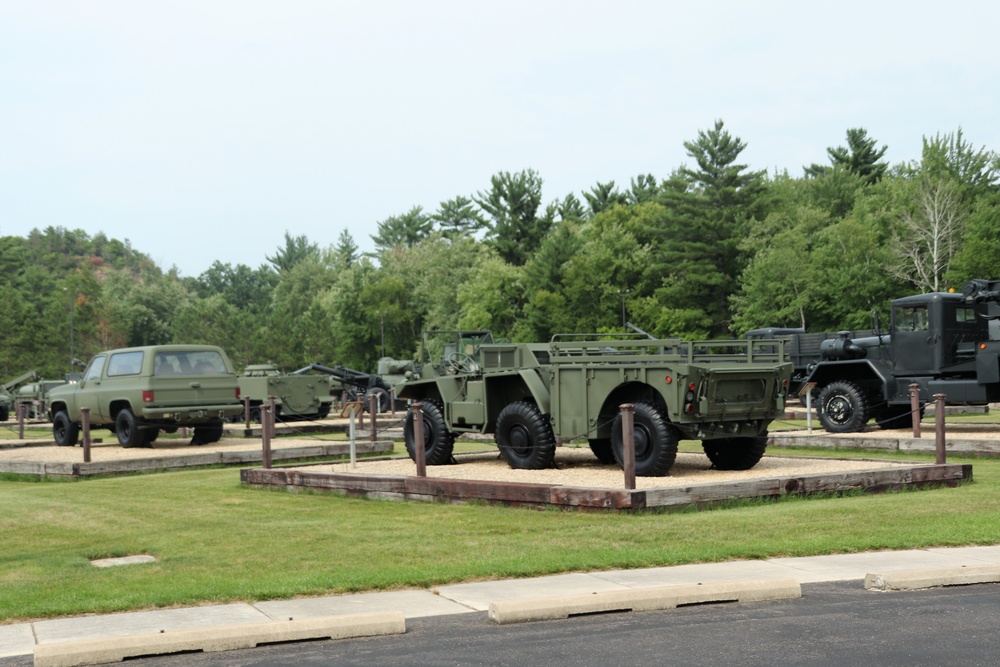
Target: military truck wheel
[896, 416]
[127, 429]
[842, 407]
[524, 436]
[735, 453]
[438, 440]
[65, 432]
[602, 449]
[655, 441]
[150, 435]
[209, 433]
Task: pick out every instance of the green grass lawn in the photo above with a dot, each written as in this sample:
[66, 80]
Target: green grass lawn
[217, 541]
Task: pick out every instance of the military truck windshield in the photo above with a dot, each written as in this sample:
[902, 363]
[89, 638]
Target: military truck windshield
[201, 362]
[449, 345]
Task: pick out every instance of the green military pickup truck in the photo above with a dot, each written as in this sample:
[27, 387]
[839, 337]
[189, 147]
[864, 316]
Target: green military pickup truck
[137, 392]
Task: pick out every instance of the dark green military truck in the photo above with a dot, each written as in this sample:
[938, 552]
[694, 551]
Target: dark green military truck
[532, 396]
[139, 391]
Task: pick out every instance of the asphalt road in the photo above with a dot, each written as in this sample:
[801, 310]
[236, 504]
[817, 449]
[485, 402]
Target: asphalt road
[831, 626]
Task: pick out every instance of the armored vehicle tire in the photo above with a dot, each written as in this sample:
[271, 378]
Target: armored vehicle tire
[735, 453]
[438, 440]
[127, 429]
[602, 449]
[655, 441]
[524, 436]
[64, 431]
[206, 434]
[842, 407]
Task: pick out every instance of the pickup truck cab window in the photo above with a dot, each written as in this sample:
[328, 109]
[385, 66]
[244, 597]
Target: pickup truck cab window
[95, 368]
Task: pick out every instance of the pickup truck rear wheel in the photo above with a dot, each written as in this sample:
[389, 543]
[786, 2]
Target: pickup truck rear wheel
[842, 407]
[735, 453]
[65, 432]
[438, 440]
[127, 429]
[524, 436]
[655, 441]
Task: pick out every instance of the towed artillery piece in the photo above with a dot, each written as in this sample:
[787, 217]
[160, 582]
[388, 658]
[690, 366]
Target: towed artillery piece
[360, 386]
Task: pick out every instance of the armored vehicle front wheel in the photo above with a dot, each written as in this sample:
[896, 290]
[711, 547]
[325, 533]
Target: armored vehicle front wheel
[842, 407]
[735, 453]
[655, 441]
[64, 431]
[438, 440]
[127, 429]
[524, 436]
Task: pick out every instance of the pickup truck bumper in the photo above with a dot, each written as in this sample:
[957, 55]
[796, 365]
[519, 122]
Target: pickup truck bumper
[184, 415]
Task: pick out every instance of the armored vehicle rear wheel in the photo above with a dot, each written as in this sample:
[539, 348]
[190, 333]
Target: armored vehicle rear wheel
[524, 436]
[64, 431]
[209, 433]
[438, 440]
[735, 453]
[842, 407]
[655, 441]
[127, 429]
[602, 450]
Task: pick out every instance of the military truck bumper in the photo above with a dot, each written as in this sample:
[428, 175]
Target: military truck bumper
[185, 415]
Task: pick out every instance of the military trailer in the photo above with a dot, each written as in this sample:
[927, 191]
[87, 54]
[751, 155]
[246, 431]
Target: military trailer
[533, 396]
[297, 396]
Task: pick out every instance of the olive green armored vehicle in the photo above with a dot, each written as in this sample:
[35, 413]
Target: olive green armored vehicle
[532, 396]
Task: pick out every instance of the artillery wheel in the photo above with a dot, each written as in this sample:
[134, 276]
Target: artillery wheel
[735, 453]
[381, 403]
[524, 436]
[207, 433]
[602, 449]
[655, 441]
[842, 407]
[127, 429]
[64, 431]
[438, 440]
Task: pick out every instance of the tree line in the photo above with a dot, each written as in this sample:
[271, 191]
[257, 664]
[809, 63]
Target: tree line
[712, 250]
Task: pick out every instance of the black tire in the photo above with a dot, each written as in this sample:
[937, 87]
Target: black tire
[735, 453]
[255, 416]
[842, 407]
[439, 442]
[150, 435]
[602, 450]
[65, 432]
[207, 433]
[382, 401]
[127, 429]
[4, 413]
[524, 436]
[655, 441]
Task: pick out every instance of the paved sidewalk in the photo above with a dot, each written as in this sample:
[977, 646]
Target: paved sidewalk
[21, 638]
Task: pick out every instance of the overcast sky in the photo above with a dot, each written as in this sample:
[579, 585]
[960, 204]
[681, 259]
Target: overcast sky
[203, 130]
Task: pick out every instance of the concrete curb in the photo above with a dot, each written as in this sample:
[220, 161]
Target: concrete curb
[908, 580]
[219, 638]
[647, 599]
